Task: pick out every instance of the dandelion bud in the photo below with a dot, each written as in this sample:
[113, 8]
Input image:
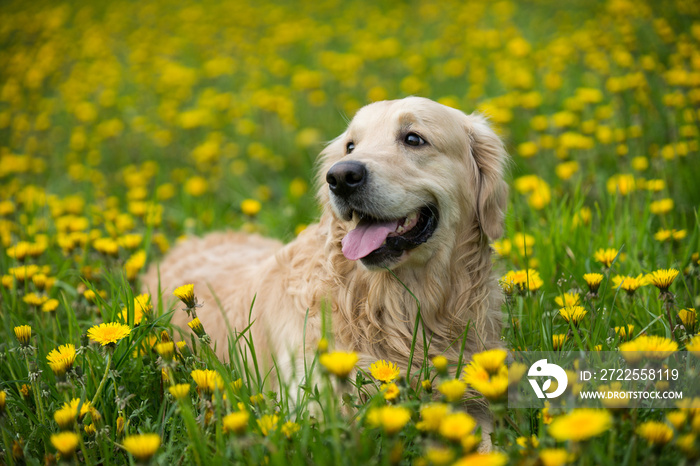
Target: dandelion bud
[164, 337]
[427, 385]
[18, 451]
[23, 334]
[166, 350]
[3, 396]
[120, 425]
[197, 327]
[185, 293]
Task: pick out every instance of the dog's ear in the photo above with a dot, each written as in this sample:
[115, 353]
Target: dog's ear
[491, 158]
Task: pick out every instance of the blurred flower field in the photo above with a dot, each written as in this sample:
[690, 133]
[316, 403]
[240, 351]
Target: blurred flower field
[126, 125]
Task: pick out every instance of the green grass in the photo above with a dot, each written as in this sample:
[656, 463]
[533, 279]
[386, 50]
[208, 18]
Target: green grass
[160, 119]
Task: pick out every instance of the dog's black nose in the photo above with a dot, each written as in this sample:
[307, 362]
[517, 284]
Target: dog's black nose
[344, 178]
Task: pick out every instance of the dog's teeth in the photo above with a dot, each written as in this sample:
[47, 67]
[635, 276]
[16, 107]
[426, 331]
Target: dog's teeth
[410, 219]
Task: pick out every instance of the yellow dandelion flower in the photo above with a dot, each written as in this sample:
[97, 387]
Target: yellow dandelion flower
[558, 341]
[689, 319]
[648, 346]
[185, 293]
[678, 235]
[236, 422]
[339, 363]
[76, 403]
[456, 426]
[390, 418]
[23, 333]
[427, 385]
[502, 247]
[492, 360]
[516, 372]
[290, 428]
[267, 423]
[91, 296]
[179, 391]
[493, 386]
[483, 459]
[605, 256]
[614, 402]
[50, 305]
[207, 380]
[142, 446]
[567, 299]
[628, 283]
[65, 442]
[440, 363]
[621, 183]
[251, 207]
[624, 332]
[142, 306]
[196, 186]
[523, 280]
[677, 419]
[656, 433]
[661, 207]
[432, 415]
[453, 390]
[391, 391]
[573, 314]
[439, 456]
[61, 359]
[166, 350]
[554, 457]
[134, 264]
[688, 445]
[580, 424]
[662, 235]
[65, 417]
[527, 442]
[662, 278]
[384, 371]
[110, 333]
[34, 299]
[694, 346]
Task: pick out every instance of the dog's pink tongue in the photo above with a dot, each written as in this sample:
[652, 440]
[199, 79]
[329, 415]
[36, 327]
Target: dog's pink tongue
[366, 238]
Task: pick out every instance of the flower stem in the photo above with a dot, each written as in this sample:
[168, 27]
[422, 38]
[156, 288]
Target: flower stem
[37, 395]
[104, 378]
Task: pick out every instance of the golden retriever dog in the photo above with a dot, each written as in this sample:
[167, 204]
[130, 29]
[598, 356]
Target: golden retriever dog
[411, 194]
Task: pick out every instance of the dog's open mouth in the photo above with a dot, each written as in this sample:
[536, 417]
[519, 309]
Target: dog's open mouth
[376, 240]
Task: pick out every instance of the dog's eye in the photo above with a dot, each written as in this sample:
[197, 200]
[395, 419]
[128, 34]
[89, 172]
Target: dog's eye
[350, 147]
[412, 139]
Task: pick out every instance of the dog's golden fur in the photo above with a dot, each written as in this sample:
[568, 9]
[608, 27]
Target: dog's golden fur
[460, 171]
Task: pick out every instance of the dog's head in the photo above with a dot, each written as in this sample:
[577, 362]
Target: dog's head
[406, 175]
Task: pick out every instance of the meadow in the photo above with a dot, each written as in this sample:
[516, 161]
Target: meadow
[127, 125]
